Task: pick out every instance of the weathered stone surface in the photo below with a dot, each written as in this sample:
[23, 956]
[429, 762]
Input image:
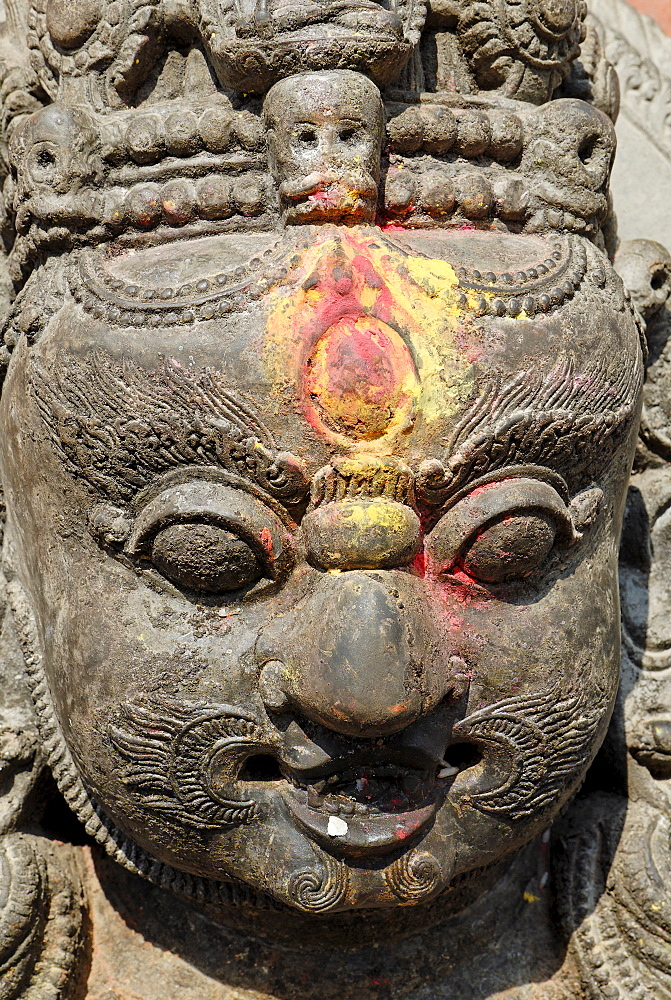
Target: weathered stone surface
[320, 396]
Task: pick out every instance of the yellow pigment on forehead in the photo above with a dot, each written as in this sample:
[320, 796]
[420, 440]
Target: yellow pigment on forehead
[367, 339]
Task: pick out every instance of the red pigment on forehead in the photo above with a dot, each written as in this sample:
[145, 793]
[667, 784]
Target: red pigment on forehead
[360, 374]
[365, 268]
[338, 296]
[359, 377]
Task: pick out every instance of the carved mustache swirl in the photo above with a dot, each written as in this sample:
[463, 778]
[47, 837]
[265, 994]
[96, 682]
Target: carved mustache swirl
[184, 759]
[539, 744]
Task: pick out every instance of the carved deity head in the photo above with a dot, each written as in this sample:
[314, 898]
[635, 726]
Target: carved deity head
[312, 529]
[325, 134]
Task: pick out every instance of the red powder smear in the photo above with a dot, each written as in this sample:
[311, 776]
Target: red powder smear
[267, 541]
[461, 575]
[419, 564]
[359, 375]
[488, 486]
[446, 592]
[364, 267]
[458, 591]
[339, 296]
[467, 229]
[406, 829]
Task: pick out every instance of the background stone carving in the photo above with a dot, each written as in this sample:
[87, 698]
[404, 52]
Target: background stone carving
[641, 181]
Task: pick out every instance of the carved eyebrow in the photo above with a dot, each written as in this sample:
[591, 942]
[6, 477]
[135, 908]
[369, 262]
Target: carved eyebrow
[120, 427]
[570, 422]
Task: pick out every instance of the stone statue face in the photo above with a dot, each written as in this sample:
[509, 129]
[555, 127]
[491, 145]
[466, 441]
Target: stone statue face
[322, 563]
[325, 136]
[645, 552]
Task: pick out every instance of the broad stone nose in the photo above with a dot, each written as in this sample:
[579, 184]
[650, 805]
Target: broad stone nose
[361, 534]
[356, 656]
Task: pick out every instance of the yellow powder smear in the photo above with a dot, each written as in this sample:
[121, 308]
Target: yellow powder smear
[368, 339]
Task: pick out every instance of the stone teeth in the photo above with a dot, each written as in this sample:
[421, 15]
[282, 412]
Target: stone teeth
[314, 798]
[447, 771]
[331, 804]
[347, 808]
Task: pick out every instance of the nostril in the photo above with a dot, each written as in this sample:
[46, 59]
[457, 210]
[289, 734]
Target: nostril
[272, 683]
[261, 767]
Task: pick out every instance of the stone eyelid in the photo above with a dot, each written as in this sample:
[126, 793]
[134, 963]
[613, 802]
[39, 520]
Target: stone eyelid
[219, 505]
[486, 504]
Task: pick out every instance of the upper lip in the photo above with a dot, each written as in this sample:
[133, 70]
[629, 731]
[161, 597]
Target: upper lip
[358, 762]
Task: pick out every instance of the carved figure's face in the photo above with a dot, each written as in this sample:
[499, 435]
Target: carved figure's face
[323, 561]
[325, 135]
[645, 562]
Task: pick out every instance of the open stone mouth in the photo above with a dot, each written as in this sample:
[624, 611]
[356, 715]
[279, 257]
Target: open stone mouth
[362, 807]
[367, 789]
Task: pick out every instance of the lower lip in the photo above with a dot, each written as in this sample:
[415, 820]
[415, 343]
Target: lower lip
[375, 833]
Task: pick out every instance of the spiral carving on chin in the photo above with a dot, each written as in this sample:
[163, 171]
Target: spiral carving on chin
[414, 876]
[317, 890]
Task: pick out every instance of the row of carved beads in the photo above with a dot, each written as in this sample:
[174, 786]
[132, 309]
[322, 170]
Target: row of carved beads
[181, 130]
[468, 132]
[179, 201]
[147, 138]
[442, 193]
[540, 289]
[124, 303]
[92, 276]
[179, 316]
[144, 206]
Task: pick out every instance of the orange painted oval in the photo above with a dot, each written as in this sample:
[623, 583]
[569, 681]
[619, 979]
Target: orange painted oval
[360, 382]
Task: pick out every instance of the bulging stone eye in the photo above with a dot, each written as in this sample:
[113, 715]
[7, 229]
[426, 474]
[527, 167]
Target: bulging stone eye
[204, 557]
[502, 531]
[510, 548]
